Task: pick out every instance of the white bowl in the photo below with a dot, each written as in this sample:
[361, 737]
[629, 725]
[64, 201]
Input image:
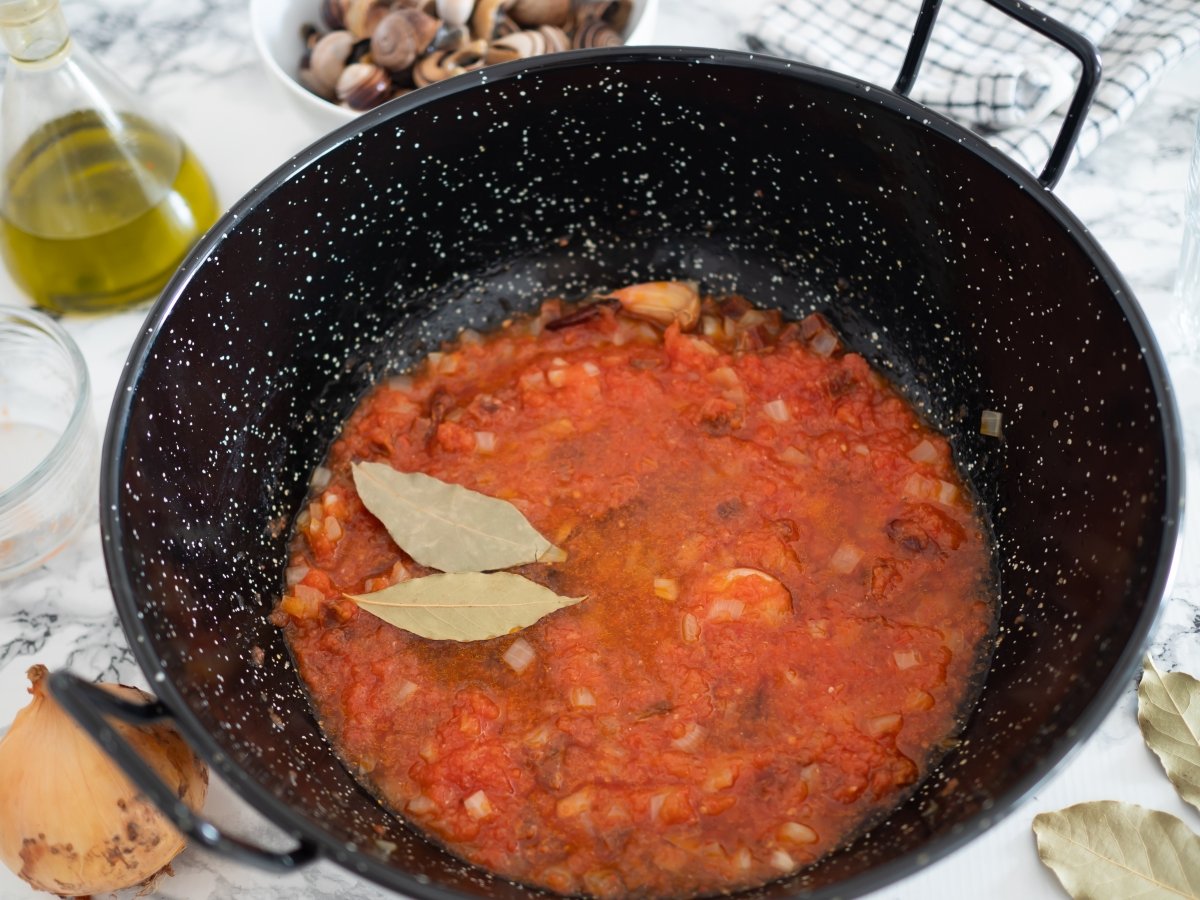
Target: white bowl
[276, 26]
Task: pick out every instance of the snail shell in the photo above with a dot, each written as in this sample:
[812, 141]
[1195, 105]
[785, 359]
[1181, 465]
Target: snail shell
[483, 20]
[400, 37]
[455, 12]
[505, 26]
[451, 38]
[361, 16]
[531, 42]
[445, 64]
[532, 13]
[363, 85]
[333, 14]
[556, 39]
[327, 62]
[614, 12]
[519, 45]
[596, 34]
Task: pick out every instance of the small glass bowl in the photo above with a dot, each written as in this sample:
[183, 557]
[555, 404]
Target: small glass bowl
[48, 445]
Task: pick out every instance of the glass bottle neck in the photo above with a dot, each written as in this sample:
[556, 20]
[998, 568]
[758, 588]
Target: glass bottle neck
[34, 31]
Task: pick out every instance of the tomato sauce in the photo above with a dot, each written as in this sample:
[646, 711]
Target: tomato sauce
[789, 602]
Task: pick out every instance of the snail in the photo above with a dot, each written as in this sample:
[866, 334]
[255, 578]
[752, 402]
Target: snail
[400, 37]
[326, 62]
[532, 42]
[483, 20]
[596, 33]
[532, 13]
[333, 14]
[361, 16]
[454, 12]
[444, 64]
[363, 85]
[614, 12]
[504, 26]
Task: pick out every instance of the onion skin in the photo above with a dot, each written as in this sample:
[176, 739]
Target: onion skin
[70, 822]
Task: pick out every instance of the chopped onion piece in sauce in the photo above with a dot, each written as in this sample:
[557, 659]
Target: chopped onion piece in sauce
[666, 588]
[782, 860]
[478, 806]
[691, 628]
[320, 477]
[795, 457]
[333, 528]
[656, 805]
[845, 559]
[733, 575]
[308, 594]
[777, 410]
[919, 487]
[582, 698]
[485, 442]
[533, 381]
[924, 452]
[574, 804]
[947, 492]
[824, 343]
[293, 575]
[726, 609]
[539, 737]
[690, 739]
[888, 724]
[407, 689]
[906, 659]
[420, 805]
[519, 655]
[796, 833]
[724, 377]
[402, 383]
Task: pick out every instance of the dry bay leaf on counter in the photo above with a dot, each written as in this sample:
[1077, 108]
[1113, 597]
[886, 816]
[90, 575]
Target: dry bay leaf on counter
[1169, 716]
[1107, 850]
[472, 606]
[447, 526]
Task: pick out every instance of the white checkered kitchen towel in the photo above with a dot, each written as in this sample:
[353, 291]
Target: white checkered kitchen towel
[988, 71]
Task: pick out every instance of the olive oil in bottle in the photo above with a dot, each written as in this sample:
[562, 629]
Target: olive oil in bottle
[98, 203]
[82, 228]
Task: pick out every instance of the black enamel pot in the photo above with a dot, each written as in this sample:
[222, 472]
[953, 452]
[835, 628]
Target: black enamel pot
[957, 273]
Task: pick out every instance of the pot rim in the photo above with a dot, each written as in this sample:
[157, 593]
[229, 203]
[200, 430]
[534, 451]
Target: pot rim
[391, 877]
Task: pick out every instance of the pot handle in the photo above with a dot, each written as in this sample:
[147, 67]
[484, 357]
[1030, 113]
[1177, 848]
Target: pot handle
[88, 705]
[1080, 47]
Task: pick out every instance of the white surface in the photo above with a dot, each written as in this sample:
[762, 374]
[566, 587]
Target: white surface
[195, 59]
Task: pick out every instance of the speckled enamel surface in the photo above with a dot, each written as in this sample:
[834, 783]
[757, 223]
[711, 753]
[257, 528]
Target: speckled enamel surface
[965, 283]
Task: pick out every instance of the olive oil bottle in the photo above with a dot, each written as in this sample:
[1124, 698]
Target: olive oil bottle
[99, 203]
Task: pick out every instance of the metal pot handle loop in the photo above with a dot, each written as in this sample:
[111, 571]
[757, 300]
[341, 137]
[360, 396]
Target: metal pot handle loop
[88, 705]
[1080, 47]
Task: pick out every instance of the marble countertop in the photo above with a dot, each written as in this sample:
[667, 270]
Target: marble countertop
[195, 61]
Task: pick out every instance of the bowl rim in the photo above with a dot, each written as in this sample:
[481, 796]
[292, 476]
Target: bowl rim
[31, 321]
[888, 873]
